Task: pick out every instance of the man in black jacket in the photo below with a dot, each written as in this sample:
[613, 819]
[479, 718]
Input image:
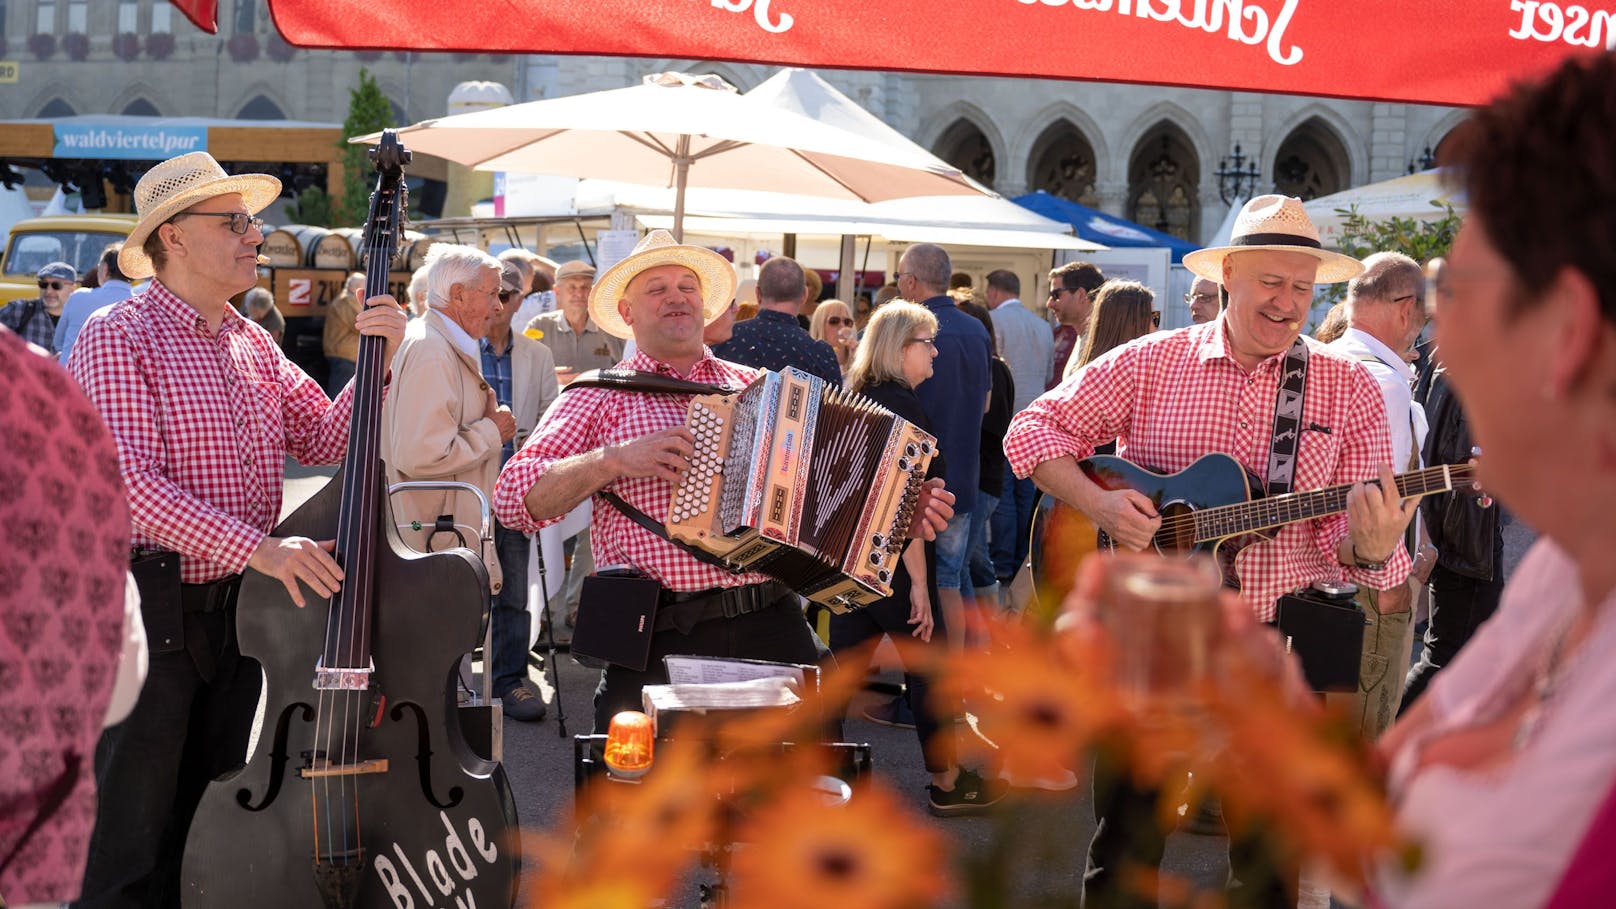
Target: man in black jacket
[1466, 532]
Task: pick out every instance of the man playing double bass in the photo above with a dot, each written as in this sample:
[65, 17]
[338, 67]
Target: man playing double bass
[1173, 397]
[636, 445]
[204, 408]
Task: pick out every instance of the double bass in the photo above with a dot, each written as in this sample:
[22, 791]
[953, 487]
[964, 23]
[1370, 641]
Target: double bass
[362, 792]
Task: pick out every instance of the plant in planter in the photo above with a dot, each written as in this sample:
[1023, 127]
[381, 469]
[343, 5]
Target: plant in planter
[243, 47]
[126, 45]
[160, 45]
[76, 45]
[279, 50]
[42, 45]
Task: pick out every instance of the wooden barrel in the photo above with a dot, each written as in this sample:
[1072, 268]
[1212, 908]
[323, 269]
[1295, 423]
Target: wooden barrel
[282, 249]
[407, 259]
[415, 249]
[323, 248]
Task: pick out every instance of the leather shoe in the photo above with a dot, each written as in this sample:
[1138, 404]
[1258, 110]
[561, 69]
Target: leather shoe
[524, 705]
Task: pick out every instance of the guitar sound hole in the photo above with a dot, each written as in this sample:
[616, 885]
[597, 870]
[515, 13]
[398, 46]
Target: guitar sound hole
[1177, 535]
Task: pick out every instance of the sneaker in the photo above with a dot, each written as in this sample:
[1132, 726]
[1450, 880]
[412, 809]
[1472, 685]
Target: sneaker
[971, 795]
[523, 705]
[892, 712]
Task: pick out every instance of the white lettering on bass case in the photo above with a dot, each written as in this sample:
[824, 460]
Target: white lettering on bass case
[443, 884]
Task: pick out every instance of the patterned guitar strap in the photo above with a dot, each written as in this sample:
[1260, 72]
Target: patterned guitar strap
[1288, 420]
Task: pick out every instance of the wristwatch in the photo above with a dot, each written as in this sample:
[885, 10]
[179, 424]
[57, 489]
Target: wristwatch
[1366, 565]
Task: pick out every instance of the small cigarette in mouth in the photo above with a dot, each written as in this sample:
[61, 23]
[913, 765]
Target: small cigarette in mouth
[1291, 325]
[263, 260]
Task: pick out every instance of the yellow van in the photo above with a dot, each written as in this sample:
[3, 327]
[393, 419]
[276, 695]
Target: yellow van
[36, 242]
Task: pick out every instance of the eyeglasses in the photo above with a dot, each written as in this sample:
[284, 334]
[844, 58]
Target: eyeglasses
[53, 285]
[1193, 299]
[1155, 318]
[240, 221]
[505, 296]
[899, 275]
[930, 342]
[838, 320]
[1399, 301]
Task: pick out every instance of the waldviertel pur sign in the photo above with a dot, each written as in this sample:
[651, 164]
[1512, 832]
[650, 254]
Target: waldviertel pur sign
[138, 142]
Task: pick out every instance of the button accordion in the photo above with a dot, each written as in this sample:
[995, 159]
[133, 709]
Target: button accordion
[803, 482]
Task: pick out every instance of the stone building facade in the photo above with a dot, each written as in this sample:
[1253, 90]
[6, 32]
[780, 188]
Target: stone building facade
[1147, 153]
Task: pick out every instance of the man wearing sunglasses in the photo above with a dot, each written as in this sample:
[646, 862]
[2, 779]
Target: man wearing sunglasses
[35, 320]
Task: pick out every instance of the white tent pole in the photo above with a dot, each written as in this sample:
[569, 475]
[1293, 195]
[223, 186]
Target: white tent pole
[681, 174]
[847, 266]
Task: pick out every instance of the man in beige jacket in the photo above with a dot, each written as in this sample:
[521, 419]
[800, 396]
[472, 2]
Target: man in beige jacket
[440, 420]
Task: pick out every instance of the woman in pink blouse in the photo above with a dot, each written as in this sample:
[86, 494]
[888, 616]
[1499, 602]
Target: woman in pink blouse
[1503, 767]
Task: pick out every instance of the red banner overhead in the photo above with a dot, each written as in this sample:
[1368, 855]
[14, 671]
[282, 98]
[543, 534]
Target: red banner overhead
[1432, 51]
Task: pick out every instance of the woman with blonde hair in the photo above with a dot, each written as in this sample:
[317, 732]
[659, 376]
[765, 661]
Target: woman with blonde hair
[895, 357]
[1122, 312]
[832, 323]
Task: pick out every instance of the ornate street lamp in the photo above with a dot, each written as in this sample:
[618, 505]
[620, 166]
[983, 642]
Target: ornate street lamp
[1425, 161]
[1237, 178]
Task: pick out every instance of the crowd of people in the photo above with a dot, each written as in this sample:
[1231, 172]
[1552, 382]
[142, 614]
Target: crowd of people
[169, 430]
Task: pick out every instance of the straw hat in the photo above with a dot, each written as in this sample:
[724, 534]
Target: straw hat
[177, 184]
[1274, 223]
[716, 275]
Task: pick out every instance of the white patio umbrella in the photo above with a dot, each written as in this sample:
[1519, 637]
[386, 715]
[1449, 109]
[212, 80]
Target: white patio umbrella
[1418, 196]
[678, 131]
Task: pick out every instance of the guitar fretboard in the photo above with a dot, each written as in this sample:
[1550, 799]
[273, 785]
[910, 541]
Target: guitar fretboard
[1277, 511]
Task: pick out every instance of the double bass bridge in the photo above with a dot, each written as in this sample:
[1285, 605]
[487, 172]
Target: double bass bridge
[324, 769]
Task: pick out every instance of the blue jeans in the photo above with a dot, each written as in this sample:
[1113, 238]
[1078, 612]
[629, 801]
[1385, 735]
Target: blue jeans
[1011, 523]
[978, 565]
[951, 552]
[508, 662]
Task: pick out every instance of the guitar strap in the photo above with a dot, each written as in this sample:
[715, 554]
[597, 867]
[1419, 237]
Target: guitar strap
[1288, 419]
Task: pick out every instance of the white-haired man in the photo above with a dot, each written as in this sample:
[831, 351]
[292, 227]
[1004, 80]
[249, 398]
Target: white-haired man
[205, 409]
[1173, 397]
[636, 446]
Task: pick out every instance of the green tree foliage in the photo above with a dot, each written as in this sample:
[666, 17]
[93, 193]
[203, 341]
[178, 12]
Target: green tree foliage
[1421, 241]
[368, 111]
[313, 206]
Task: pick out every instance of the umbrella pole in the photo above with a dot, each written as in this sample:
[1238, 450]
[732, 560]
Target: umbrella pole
[681, 175]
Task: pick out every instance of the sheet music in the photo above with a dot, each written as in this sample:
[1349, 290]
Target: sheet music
[699, 670]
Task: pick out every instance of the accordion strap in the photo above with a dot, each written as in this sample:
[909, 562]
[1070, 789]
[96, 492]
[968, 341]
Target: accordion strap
[644, 520]
[649, 382]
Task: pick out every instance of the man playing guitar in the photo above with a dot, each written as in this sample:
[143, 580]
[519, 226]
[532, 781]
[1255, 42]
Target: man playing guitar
[1246, 384]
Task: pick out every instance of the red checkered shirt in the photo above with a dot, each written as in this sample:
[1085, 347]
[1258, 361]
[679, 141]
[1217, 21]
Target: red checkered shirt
[1171, 397]
[203, 423]
[585, 419]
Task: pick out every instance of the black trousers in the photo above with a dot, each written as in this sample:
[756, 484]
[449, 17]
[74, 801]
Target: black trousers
[890, 616]
[1459, 604]
[1130, 839]
[152, 768]
[778, 632]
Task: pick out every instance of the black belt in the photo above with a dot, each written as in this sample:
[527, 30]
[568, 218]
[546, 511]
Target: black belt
[685, 611]
[213, 596]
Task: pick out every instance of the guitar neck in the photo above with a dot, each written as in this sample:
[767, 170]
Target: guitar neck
[1277, 511]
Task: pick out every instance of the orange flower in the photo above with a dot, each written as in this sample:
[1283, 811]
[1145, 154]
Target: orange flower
[1033, 700]
[640, 836]
[872, 853]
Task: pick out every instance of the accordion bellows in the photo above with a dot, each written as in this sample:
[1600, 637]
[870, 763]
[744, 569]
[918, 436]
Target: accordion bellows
[803, 482]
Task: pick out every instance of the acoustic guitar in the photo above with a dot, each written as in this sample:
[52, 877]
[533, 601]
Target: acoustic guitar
[1213, 506]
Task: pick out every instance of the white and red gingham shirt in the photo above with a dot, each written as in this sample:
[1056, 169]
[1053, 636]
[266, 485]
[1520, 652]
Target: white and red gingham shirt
[585, 419]
[203, 423]
[1171, 397]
